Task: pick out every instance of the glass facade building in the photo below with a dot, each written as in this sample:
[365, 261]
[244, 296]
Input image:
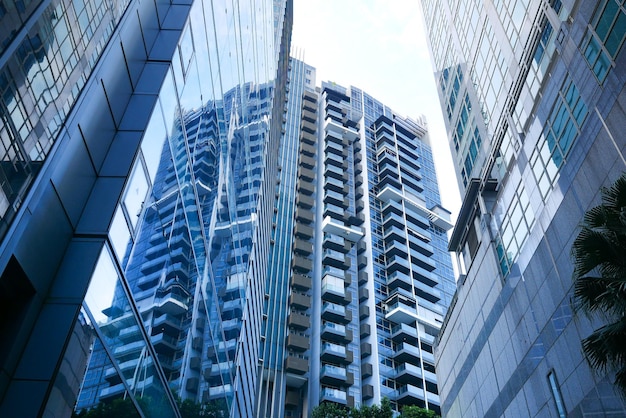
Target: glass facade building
[140, 154]
[360, 240]
[531, 93]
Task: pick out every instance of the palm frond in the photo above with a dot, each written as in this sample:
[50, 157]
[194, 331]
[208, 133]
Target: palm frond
[615, 195]
[592, 294]
[620, 380]
[605, 347]
[592, 249]
[600, 247]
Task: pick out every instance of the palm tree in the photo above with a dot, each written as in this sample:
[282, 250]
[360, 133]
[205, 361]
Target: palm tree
[599, 254]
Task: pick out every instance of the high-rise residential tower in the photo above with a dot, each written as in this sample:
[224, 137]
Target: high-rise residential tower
[360, 252]
[532, 93]
[138, 173]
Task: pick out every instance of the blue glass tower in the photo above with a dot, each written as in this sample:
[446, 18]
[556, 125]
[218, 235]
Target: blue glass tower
[141, 145]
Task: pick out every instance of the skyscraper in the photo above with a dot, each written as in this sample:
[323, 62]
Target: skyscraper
[139, 165]
[531, 93]
[361, 274]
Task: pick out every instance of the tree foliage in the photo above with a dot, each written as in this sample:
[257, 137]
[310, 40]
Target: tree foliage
[330, 410]
[384, 410]
[124, 408]
[599, 254]
[411, 411]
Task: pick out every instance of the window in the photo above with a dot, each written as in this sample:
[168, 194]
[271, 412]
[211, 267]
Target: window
[556, 394]
[601, 45]
[559, 134]
[514, 230]
[543, 42]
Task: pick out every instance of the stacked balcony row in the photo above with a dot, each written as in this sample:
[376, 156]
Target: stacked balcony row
[339, 237]
[299, 320]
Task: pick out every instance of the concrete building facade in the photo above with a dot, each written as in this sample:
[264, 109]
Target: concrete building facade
[533, 97]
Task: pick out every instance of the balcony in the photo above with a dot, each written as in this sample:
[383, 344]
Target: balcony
[333, 332]
[301, 264]
[297, 342]
[347, 278]
[334, 226]
[296, 365]
[333, 289]
[396, 263]
[333, 159]
[420, 246]
[333, 352]
[365, 330]
[333, 395]
[366, 350]
[364, 294]
[306, 174]
[428, 357]
[334, 242]
[404, 332]
[366, 370]
[396, 248]
[171, 303]
[164, 343]
[390, 193]
[304, 216]
[334, 137]
[335, 259]
[307, 149]
[335, 198]
[388, 167]
[363, 278]
[422, 261]
[333, 171]
[299, 321]
[393, 219]
[361, 261]
[410, 395]
[407, 372]
[406, 352]
[336, 212]
[333, 375]
[300, 282]
[308, 127]
[127, 349]
[424, 276]
[334, 185]
[368, 391]
[331, 147]
[389, 181]
[293, 399]
[423, 291]
[303, 231]
[130, 334]
[300, 301]
[304, 201]
[335, 313]
[399, 279]
[359, 192]
[302, 247]
[307, 161]
[401, 309]
[305, 187]
[394, 234]
[113, 390]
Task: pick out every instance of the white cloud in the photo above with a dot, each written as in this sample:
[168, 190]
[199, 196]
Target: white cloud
[380, 47]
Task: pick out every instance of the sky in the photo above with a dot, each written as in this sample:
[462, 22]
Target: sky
[380, 47]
